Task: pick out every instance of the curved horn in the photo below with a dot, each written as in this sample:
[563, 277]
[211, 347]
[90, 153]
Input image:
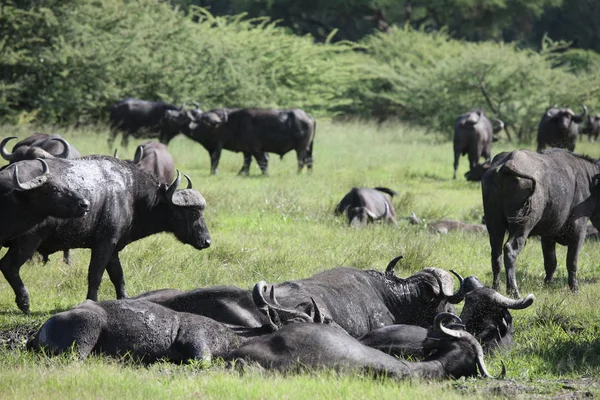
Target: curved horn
[460, 294]
[467, 337]
[585, 111]
[513, 304]
[171, 190]
[35, 182]
[116, 153]
[139, 153]
[257, 294]
[5, 154]
[66, 148]
[318, 317]
[283, 314]
[500, 125]
[389, 270]
[189, 180]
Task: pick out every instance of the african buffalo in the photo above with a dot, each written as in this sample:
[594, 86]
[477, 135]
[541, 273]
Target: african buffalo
[360, 301]
[445, 225]
[140, 328]
[486, 316]
[364, 205]
[134, 205]
[252, 131]
[558, 128]
[308, 346]
[140, 118]
[39, 145]
[592, 127]
[476, 173]
[154, 158]
[23, 205]
[546, 194]
[473, 135]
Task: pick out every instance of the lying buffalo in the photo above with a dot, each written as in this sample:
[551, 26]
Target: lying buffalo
[360, 301]
[486, 314]
[309, 346]
[476, 173]
[559, 128]
[133, 206]
[154, 158]
[39, 145]
[253, 131]
[364, 205]
[142, 329]
[549, 194]
[23, 205]
[473, 135]
[445, 225]
[139, 118]
[592, 127]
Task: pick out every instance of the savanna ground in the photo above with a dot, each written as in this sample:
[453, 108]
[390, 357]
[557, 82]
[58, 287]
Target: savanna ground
[282, 227]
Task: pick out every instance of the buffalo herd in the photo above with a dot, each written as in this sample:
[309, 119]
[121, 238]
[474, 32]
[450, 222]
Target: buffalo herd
[53, 199]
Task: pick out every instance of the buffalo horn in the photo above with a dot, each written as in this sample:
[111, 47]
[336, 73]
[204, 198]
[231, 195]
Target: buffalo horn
[275, 308]
[171, 190]
[116, 153]
[66, 148]
[5, 154]
[513, 304]
[392, 265]
[189, 180]
[139, 154]
[35, 182]
[466, 336]
[451, 298]
[585, 111]
[500, 125]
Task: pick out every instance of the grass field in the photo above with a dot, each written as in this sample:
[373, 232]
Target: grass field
[282, 227]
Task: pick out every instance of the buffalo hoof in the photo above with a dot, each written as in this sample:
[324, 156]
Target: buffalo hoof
[23, 304]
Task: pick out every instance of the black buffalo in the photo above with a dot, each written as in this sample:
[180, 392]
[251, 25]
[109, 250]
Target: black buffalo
[473, 135]
[309, 346]
[39, 145]
[142, 329]
[364, 205]
[24, 205]
[592, 127]
[140, 118]
[154, 158]
[253, 131]
[134, 205]
[547, 194]
[559, 128]
[360, 301]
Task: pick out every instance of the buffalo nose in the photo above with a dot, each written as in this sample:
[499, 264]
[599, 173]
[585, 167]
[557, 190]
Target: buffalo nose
[207, 243]
[84, 205]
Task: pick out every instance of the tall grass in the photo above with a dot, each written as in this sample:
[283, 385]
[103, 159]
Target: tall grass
[282, 227]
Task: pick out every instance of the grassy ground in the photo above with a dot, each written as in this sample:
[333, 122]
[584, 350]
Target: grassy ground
[281, 228]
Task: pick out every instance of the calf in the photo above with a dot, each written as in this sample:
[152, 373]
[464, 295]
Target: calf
[364, 205]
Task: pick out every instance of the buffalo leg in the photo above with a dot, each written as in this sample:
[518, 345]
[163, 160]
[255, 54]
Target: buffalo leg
[496, 233]
[456, 158]
[572, 258]
[115, 272]
[11, 264]
[98, 263]
[246, 167]
[215, 156]
[301, 155]
[512, 248]
[549, 251]
[262, 158]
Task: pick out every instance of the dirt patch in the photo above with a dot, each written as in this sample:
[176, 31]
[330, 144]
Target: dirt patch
[16, 336]
[563, 389]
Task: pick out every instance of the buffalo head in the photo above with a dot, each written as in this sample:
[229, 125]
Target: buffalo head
[46, 147]
[564, 117]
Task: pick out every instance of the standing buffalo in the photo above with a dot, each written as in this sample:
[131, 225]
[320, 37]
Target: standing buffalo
[39, 145]
[254, 132]
[23, 205]
[140, 118]
[473, 135]
[558, 128]
[134, 205]
[364, 205]
[549, 194]
[592, 127]
[360, 301]
[154, 158]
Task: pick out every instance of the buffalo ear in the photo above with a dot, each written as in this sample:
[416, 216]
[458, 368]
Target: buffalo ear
[595, 181]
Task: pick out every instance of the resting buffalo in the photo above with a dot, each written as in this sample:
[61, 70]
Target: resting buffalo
[308, 346]
[140, 118]
[23, 205]
[548, 194]
[39, 145]
[444, 226]
[364, 205]
[227, 304]
[486, 316]
[142, 329]
[558, 128]
[473, 135]
[153, 157]
[360, 301]
[134, 205]
[592, 127]
[253, 131]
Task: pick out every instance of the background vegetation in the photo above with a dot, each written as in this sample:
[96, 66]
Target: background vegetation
[67, 61]
[282, 227]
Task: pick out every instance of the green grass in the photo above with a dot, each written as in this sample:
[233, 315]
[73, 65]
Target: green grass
[282, 227]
